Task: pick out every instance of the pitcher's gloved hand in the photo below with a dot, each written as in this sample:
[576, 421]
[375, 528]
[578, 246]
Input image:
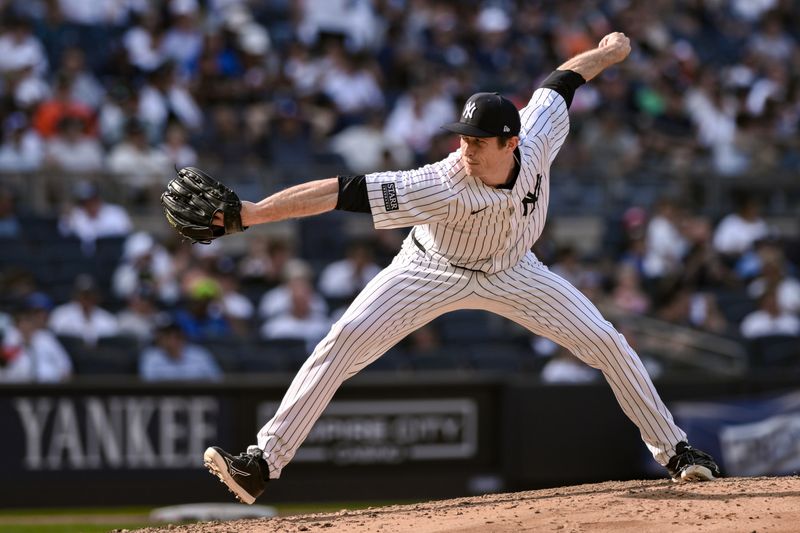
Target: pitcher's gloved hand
[193, 199]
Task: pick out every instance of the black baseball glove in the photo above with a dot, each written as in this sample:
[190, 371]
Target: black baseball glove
[191, 201]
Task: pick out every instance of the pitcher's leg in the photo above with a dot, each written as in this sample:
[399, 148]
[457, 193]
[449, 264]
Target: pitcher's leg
[550, 306]
[395, 303]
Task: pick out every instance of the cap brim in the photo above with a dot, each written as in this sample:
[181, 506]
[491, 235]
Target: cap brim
[467, 129]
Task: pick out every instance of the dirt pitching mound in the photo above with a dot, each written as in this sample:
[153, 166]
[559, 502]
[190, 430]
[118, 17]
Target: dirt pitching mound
[734, 504]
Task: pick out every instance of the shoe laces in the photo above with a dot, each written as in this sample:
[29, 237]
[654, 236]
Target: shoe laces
[691, 456]
[249, 458]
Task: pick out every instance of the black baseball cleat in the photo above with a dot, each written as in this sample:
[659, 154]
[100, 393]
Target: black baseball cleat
[690, 464]
[245, 475]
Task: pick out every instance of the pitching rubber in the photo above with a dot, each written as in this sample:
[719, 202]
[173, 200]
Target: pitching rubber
[216, 465]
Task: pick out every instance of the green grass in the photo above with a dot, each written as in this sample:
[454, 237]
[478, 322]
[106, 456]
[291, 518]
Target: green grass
[68, 528]
[68, 520]
[48, 511]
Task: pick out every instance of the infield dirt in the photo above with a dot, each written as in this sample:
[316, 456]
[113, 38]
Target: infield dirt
[728, 505]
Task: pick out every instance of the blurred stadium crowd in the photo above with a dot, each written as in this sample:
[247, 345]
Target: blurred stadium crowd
[101, 99]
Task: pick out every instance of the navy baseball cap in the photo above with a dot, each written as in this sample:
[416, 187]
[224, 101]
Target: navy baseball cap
[487, 115]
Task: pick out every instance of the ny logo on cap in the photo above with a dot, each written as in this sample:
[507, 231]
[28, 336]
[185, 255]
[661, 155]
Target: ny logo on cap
[469, 109]
[506, 129]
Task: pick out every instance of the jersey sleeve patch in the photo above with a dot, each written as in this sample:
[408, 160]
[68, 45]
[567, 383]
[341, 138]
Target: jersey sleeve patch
[389, 197]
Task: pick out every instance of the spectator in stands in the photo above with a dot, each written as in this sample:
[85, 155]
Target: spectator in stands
[48, 360]
[202, 317]
[92, 218]
[10, 227]
[290, 147]
[263, 264]
[145, 265]
[84, 86]
[137, 166]
[417, 116]
[82, 316]
[22, 150]
[173, 358]
[120, 106]
[425, 341]
[237, 308]
[300, 320]
[140, 315]
[769, 319]
[72, 150]
[143, 42]
[665, 245]
[19, 48]
[737, 232]
[351, 83]
[183, 40]
[565, 368]
[774, 277]
[703, 268]
[772, 40]
[164, 96]
[568, 265]
[344, 279]
[695, 309]
[15, 363]
[278, 301]
[366, 148]
[628, 294]
[50, 113]
[178, 151]
[222, 142]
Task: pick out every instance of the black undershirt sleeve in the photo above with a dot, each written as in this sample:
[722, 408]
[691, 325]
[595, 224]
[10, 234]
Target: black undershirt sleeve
[353, 194]
[564, 82]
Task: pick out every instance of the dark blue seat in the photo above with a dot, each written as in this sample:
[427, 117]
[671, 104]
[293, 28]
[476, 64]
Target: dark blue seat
[285, 354]
[734, 304]
[105, 360]
[109, 249]
[15, 252]
[774, 352]
[442, 359]
[497, 357]
[393, 360]
[467, 325]
[227, 351]
[40, 228]
[261, 363]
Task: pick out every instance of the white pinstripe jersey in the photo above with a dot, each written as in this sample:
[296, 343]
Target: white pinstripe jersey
[465, 222]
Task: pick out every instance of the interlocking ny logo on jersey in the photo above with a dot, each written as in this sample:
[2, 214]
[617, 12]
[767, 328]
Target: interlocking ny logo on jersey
[390, 197]
[469, 109]
[532, 197]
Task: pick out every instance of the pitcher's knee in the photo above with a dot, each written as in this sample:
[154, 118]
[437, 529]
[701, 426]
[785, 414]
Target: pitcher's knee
[348, 329]
[600, 343]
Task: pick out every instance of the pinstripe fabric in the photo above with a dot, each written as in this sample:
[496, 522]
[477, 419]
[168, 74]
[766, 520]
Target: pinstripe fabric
[406, 295]
[461, 223]
[414, 290]
[548, 305]
[466, 222]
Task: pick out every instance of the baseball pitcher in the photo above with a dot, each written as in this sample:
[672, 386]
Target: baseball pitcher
[474, 217]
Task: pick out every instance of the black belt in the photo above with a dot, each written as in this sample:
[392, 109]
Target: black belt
[424, 252]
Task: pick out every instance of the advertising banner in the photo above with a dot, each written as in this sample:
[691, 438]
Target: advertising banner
[752, 437]
[389, 431]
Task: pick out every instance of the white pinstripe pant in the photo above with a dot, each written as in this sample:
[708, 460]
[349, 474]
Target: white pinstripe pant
[414, 290]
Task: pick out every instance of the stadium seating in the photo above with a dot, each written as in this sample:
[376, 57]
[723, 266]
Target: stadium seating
[774, 352]
[108, 357]
[394, 360]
